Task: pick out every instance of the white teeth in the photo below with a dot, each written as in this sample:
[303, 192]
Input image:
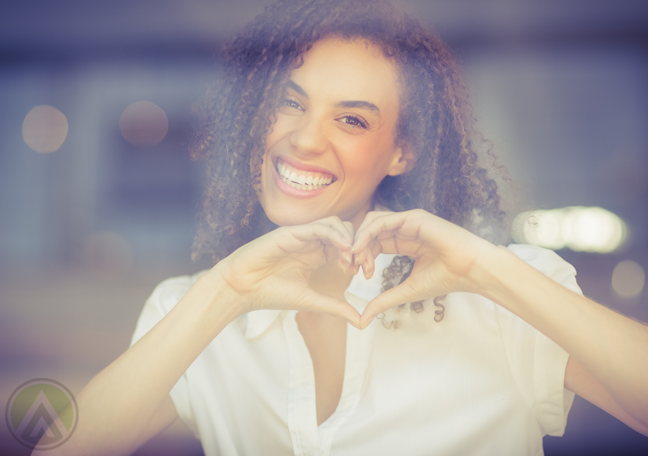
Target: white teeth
[301, 182]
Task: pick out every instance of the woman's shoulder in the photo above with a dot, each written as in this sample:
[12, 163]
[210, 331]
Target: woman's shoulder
[168, 292]
[548, 262]
[164, 297]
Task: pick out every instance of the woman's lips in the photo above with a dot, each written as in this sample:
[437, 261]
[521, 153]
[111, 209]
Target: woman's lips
[293, 179]
[305, 167]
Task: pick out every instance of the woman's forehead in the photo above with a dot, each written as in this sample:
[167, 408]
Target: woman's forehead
[348, 69]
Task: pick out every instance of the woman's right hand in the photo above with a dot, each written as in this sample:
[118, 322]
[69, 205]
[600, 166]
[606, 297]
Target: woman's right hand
[273, 271]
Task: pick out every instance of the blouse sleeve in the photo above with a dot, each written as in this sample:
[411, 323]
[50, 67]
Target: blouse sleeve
[164, 297]
[538, 364]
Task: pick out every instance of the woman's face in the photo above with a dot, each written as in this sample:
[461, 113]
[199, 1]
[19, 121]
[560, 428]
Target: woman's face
[333, 141]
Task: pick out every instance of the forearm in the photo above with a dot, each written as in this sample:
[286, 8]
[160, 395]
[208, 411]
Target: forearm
[116, 406]
[612, 347]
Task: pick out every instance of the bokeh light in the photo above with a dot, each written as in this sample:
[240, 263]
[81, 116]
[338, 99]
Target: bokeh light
[107, 255]
[628, 279]
[583, 229]
[143, 123]
[44, 128]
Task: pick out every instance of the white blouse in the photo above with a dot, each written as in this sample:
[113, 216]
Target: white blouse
[480, 382]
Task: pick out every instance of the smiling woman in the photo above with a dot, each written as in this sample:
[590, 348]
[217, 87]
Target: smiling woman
[386, 55]
[339, 138]
[337, 125]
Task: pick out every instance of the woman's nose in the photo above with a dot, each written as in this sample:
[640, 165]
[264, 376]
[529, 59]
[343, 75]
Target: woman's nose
[309, 136]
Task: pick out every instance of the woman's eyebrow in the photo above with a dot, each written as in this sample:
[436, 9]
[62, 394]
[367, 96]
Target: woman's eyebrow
[296, 87]
[359, 104]
[342, 104]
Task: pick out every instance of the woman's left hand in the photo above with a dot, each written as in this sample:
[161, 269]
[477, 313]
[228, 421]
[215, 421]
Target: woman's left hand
[447, 257]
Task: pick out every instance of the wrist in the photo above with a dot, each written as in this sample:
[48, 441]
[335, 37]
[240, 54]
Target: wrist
[492, 269]
[213, 300]
[507, 280]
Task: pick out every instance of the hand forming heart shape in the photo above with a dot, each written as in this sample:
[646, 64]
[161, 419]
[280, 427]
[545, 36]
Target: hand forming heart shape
[273, 271]
[446, 256]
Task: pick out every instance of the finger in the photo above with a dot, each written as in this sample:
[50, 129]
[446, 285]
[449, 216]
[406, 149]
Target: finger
[316, 232]
[344, 228]
[348, 256]
[350, 229]
[357, 260]
[344, 256]
[371, 216]
[318, 302]
[347, 231]
[393, 297]
[376, 225]
[367, 221]
[369, 256]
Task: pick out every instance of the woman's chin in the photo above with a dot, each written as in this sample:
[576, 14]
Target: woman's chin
[292, 215]
[291, 218]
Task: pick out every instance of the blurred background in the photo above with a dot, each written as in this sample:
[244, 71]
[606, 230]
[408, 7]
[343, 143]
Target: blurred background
[98, 197]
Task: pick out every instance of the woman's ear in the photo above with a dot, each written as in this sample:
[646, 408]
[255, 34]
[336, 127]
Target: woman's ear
[403, 160]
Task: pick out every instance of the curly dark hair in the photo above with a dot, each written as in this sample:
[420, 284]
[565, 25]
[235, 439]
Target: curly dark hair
[450, 178]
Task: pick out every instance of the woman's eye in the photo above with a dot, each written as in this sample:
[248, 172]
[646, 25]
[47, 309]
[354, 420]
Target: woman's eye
[290, 103]
[354, 121]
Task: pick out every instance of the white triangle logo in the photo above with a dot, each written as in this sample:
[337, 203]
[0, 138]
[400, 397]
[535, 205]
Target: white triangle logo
[40, 423]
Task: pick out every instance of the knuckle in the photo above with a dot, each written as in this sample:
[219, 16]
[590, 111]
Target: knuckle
[282, 231]
[422, 213]
[333, 219]
[371, 216]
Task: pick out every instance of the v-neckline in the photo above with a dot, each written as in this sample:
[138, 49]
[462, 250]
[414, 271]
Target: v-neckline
[307, 436]
[325, 338]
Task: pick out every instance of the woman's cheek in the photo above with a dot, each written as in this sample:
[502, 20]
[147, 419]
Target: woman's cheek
[281, 128]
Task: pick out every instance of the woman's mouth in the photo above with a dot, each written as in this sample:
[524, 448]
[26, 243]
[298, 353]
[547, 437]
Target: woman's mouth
[300, 179]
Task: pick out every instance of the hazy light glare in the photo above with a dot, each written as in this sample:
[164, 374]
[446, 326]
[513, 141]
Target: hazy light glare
[44, 128]
[628, 279]
[583, 229]
[143, 123]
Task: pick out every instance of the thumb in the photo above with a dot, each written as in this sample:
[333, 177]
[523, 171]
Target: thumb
[319, 302]
[393, 297]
